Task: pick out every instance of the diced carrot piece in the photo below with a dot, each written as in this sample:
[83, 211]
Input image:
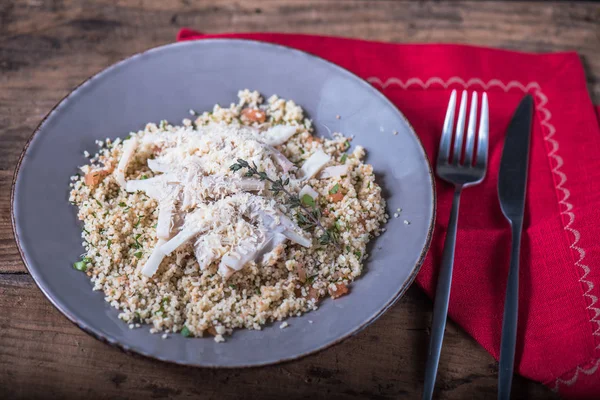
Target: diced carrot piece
[341, 289]
[254, 115]
[94, 177]
[336, 197]
[301, 273]
[312, 138]
[313, 293]
[212, 331]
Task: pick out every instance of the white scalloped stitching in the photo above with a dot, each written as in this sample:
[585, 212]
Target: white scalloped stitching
[569, 382]
[559, 183]
[455, 80]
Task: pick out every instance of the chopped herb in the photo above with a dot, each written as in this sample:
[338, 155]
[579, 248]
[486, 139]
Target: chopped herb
[138, 221]
[109, 243]
[94, 214]
[154, 226]
[358, 254]
[97, 202]
[295, 202]
[316, 213]
[72, 202]
[303, 221]
[257, 291]
[338, 225]
[232, 286]
[138, 254]
[278, 186]
[144, 177]
[346, 145]
[121, 204]
[307, 200]
[80, 266]
[185, 332]
[330, 236]
[334, 189]
[137, 244]
[85, 231]
[369, 185]
[301, 150]
[106, 213]
[344, 158]
[311, 279]
[348, 249]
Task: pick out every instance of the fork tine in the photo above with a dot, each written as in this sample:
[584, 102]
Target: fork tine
[460, 128]
[444, 152]
[469, 148]
[484, 131]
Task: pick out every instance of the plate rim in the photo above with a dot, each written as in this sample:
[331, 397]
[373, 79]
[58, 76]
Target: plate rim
[136, 351]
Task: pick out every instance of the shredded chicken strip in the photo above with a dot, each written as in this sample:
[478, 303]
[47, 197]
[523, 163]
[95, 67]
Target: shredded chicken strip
[129, 147]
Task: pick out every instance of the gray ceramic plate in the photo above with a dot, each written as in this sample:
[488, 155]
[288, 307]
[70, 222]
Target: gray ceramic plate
[164, 83]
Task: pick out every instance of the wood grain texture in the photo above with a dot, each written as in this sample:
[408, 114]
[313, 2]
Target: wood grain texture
[43, 354]
[47, 47]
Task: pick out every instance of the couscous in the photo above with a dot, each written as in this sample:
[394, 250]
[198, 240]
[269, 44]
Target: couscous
[236, 218]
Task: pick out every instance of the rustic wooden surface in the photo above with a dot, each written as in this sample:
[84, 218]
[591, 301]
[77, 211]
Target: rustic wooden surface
[48, 47]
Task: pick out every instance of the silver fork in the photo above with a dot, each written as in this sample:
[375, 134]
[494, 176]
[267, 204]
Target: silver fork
[461, 174]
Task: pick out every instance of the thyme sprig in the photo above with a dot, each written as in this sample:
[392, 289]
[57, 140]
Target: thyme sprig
[307, 219]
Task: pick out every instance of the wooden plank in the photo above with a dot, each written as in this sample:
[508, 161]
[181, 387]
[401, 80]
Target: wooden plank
[10, 260]
[43, 355]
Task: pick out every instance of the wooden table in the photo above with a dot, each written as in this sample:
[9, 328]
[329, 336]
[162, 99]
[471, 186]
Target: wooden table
[48, 47]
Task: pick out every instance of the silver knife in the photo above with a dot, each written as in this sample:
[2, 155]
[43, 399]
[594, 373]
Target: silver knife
[512, 185]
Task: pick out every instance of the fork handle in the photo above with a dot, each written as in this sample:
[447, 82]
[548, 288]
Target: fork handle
[509, 321]
[442, 297]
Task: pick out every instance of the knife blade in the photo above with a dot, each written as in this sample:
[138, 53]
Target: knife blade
[512, 188]
[512, 178]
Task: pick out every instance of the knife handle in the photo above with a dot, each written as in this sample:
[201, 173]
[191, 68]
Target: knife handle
[509, 322]
[442, 297]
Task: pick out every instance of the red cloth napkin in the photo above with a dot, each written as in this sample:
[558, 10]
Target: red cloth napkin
[559, 308]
